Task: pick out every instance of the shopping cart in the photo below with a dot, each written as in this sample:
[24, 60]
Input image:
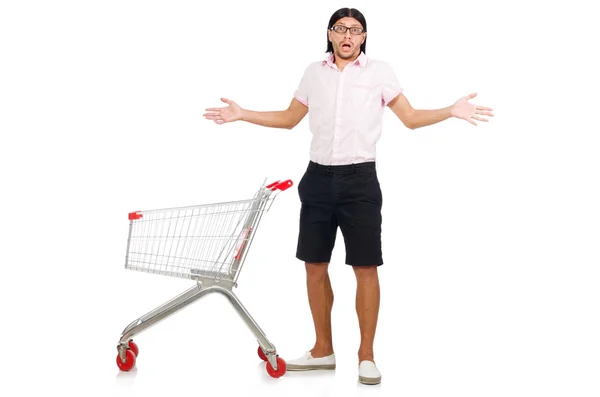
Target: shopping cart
[206, 243]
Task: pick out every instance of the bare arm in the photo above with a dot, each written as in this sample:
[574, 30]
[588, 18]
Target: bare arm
[417, 118]
[287, 118]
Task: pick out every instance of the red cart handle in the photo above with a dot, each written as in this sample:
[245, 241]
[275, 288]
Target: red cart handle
[134, 216]
[280, 185]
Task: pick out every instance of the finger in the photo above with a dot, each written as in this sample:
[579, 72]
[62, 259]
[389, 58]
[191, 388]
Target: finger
[486, 113]
[479, 118]
[472, 95]
[227, 101]
[484, 108]
[212, 116]
[213, 109]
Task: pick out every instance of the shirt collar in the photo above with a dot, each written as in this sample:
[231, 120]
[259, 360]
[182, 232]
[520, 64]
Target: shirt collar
[361, 61]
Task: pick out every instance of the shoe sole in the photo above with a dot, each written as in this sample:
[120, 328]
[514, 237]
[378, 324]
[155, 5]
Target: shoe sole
[369, 381]
[295, 367]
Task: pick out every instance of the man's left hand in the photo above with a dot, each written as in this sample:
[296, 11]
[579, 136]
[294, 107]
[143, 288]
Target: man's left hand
[462, 109]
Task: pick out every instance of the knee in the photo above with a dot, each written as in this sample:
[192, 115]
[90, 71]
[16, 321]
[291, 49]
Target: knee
[365, 272]
[316, 271]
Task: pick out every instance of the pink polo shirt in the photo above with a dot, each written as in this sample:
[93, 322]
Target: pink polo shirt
[346, 108]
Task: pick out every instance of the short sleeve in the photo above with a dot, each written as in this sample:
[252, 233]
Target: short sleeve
[391, 86]
[302, 92]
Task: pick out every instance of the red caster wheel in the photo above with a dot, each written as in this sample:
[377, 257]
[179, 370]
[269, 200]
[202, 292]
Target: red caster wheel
[134, 348]
[281, 368]
[129, 361]
[261, 354]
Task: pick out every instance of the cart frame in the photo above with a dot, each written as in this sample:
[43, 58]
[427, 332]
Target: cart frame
[208, 279]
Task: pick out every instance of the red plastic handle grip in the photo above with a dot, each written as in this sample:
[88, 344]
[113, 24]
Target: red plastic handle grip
[280, 185]
[133, 216]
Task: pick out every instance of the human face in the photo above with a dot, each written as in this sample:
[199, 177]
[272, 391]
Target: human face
[346, 45]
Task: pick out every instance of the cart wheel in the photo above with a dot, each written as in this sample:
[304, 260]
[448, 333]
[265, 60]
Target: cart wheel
[134, 348]
[129, 361]
[261, 354]
[281, 368]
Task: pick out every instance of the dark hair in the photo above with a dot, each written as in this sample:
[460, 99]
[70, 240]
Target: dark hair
[347, 12]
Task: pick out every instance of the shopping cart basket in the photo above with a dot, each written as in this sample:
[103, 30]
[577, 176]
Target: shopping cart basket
[206, 243]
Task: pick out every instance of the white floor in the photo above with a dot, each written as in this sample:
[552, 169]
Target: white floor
[443, 336]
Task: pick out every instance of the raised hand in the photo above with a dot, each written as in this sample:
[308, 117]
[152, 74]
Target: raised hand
[462, 109]
[227, 114]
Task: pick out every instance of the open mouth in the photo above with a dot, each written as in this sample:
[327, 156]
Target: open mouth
[346, 46]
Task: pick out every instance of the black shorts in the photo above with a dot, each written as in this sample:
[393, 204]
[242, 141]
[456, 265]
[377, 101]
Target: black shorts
[348, 196]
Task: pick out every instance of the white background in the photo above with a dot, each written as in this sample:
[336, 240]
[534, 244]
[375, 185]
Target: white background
[491, 233]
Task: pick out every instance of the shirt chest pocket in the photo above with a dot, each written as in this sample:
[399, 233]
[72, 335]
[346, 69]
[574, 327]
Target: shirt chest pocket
[364, 96]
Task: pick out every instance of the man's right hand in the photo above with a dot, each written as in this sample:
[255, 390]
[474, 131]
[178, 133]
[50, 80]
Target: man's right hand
[222, 115]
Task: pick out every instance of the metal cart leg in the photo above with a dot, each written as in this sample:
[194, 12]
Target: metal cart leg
[159, 314]
[265, 344]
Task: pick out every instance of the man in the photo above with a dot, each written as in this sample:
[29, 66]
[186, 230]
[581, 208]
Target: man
[347, 94]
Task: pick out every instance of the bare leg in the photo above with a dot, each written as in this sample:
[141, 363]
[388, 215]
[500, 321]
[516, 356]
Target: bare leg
[367, 308]
[320, 298]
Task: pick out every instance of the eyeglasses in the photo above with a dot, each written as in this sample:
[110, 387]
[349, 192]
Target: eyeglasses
[343, 29]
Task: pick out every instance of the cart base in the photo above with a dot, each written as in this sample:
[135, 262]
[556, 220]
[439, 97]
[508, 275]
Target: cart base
[128, 351]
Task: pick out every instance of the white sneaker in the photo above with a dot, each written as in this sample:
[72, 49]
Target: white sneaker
[368, 373]
[308, 362]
